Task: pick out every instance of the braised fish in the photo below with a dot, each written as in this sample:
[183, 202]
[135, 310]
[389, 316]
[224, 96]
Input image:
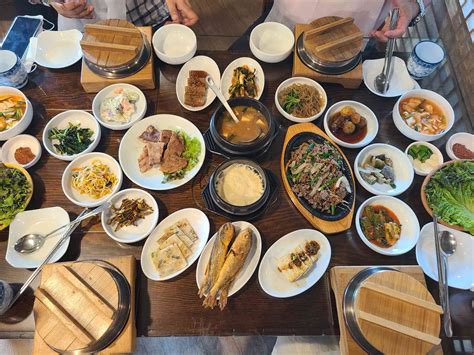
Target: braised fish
[218, 255]
[234, 261]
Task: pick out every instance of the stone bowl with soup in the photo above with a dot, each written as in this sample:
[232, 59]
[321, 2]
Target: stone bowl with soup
[252, 135]
[16, 112]
[239, 187]
[423, 115]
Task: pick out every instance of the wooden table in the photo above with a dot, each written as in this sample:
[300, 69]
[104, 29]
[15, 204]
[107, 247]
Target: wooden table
[173, 307]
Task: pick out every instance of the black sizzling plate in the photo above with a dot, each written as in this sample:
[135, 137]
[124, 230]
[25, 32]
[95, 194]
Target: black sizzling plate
[340, 212]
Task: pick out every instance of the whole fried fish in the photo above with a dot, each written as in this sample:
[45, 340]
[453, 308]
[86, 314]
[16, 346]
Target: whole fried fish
[218, 254]
[233, 263]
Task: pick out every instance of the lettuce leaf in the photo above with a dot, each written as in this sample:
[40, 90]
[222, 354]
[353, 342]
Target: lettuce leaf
[14, 192]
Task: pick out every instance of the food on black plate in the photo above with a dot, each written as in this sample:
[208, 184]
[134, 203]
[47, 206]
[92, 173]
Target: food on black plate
[423, 115]
[380, 225]
[315, 172]
[244, 82]
[462, 152]
[129, 213]
[378, 169]
[348, 125]
[300, 100]
[195, 93]
[24, 155]
[252, 125]
[71, 140]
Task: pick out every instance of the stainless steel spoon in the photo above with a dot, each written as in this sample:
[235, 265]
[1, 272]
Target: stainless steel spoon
[448, 247]
[382, 80]
[32, 242]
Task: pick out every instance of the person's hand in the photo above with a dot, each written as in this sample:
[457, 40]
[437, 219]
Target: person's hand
[181, 12]
[408, 10]
[74, 9]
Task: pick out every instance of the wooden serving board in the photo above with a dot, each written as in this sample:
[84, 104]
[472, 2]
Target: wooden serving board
[349, 80]
[75, 302]
[410, 281]
[323, 225]
[143, 79]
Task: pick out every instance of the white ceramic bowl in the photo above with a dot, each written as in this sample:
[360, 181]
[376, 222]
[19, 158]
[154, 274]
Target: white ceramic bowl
[226, 79]
[24, 121]
[81, 199]
[58, 49]
[361, 109]
[140, 106]
[301, 80]
[22, 140]
[425, 171]
[425, 94]
[401, 164]
[271, 42]
[410, 226]
[131, 234]
[174, 44]
[467, 139]
[62, 121]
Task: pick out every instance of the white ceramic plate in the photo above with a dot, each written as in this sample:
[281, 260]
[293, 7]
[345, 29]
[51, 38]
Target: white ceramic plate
[134, 233]
[131, 148]
[467, 139]
[460, 264]
[404, 173]
[364, 111]
[249, 266]
[410, 226]
[84, 200]
[140, 106]
[200, 62]
[58, 49]
[22, 140]
[424, 169]
[226, 80]
[37, 221]
[200, 224]
[274, 282]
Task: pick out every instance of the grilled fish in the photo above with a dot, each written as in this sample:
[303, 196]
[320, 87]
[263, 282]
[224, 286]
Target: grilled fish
[233, 263]
[218, 254]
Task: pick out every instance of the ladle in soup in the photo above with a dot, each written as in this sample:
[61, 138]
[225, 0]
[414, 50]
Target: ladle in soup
[212, 85]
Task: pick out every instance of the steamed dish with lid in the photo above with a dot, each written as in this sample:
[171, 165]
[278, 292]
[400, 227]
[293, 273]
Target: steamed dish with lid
[12, 109]
[300, 100]
[348, 125]
[252, 125]
[119, 106]
[380, 225]
[423, 115]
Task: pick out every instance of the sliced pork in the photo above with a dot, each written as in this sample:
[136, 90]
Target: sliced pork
[151, 134]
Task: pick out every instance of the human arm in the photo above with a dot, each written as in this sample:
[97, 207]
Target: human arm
[181, 11]
[69, 8]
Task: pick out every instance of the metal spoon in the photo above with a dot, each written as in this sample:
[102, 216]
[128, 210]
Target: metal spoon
[382, 80]
[32, 242]
[448, 247]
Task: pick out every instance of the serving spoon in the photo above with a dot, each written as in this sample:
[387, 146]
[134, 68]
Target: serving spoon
[448, 247]
[32, 242]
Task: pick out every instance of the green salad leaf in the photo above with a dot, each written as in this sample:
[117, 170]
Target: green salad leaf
[450, 193]
[14, 192]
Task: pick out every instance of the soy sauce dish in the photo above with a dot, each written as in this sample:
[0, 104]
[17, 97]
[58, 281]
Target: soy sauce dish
[239, 187]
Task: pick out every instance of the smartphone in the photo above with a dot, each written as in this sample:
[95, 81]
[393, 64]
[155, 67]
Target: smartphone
[18, 36]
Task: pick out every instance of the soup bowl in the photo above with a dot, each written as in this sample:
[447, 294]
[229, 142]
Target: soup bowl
[244, 149]
[24, 121]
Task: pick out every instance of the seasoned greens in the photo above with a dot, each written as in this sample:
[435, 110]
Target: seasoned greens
[14, 192]
[71, 140]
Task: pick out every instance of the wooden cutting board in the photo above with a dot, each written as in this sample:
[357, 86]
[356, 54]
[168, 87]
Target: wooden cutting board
[93, 313]
[340, 277]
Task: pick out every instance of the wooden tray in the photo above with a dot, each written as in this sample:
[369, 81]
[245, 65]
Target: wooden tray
[323, 225]
[340, 277]
[60, 289]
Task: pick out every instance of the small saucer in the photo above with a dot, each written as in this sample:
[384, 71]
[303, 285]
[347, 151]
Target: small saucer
[22, 140]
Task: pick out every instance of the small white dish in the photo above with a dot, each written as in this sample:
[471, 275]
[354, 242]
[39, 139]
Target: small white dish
[271, 42]
[200, 224]
[301, 80]
[404, 173]
[174, 44]
[201, 62]
[274, 283]
[460, 264]
[409, 132]
[361, 109]
[134, 233]
[131, 147]
[226, 79]
[61, 121]
[464, 138]
[423, 169]
[58, 49]
[22, 140]
[400, 80]
[84, 200]
[410, 227]
[24, 121]
[140, 106]
[249, 266]
[41, 222]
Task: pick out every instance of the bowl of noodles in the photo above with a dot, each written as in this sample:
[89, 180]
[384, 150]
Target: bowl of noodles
[300, 99]
[90, 179]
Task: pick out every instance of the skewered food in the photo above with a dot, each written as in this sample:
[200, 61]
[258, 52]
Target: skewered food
[294, 265]
[380, 225]
[129, 213]
[300, 100]
[243, 82]
[378, 169]
[195, 93]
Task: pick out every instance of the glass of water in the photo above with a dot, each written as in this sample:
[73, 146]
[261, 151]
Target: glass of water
[425, 58]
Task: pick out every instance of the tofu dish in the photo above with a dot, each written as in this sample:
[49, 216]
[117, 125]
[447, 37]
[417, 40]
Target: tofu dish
[297, 263]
